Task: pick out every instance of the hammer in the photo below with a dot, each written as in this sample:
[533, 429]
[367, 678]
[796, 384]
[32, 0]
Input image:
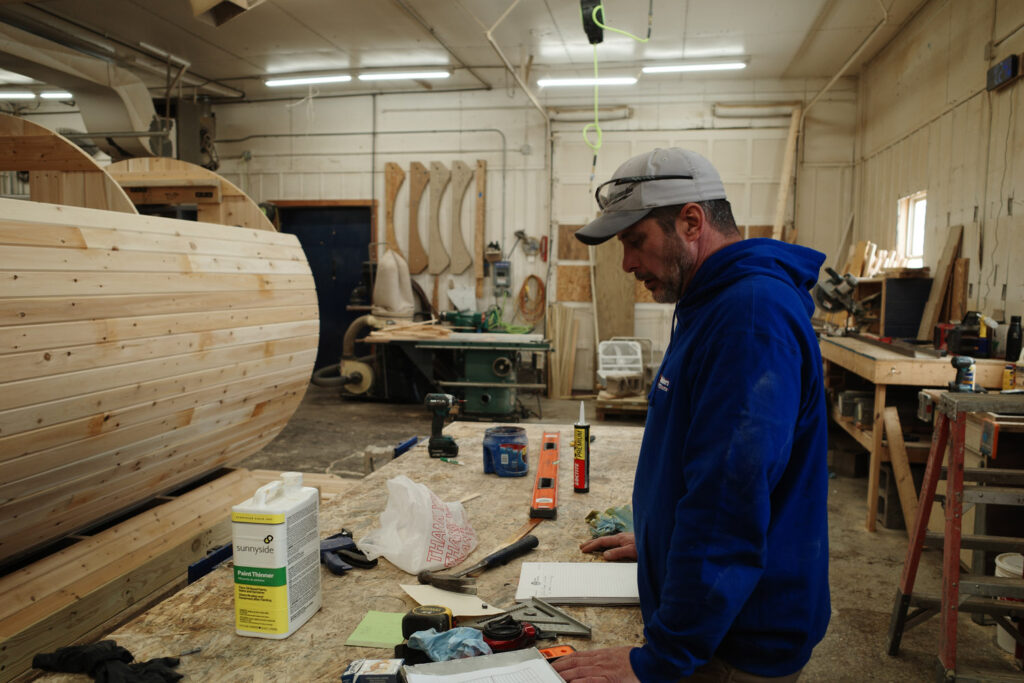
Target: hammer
[462, 582]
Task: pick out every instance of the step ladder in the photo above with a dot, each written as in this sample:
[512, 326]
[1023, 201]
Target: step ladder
[976, 594]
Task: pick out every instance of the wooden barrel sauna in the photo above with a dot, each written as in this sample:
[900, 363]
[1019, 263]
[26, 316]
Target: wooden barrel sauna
[137, 353]
[159, 180]
[60, 172]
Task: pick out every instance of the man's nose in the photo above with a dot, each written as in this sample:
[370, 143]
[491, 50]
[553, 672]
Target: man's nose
[629, 261]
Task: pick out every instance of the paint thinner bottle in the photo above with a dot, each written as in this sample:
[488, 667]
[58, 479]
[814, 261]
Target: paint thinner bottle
[276, 543]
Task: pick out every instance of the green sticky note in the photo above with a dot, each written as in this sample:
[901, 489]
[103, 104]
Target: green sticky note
[378, 629]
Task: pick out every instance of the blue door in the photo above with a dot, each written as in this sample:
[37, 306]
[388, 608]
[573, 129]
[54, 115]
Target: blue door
[336, 240]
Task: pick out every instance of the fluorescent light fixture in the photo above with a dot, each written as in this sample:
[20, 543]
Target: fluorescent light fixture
[604, 80]
[403, 75]
[56, 95]
[17, 95]
[307, 80]
[706, 66]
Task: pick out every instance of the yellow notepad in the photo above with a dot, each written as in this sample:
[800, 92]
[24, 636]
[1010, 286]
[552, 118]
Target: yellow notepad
[378, 629]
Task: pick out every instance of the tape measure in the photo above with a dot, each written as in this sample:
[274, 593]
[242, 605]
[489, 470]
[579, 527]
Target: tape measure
[424, 617]
[508, 633]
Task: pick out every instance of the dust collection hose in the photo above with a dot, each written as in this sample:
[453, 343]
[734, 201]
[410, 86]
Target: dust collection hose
[329, 376]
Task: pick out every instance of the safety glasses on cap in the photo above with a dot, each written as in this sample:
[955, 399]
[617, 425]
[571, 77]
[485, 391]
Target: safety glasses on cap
[610, 192]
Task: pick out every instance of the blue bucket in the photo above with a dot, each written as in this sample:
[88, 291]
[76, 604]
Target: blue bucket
[505, 452]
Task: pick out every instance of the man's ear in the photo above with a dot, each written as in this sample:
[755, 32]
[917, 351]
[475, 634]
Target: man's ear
[690, 222]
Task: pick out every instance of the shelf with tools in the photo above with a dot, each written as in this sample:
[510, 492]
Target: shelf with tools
[875, 370]
[917, 452]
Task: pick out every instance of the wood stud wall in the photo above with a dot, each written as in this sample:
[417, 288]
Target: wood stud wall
[929, 124]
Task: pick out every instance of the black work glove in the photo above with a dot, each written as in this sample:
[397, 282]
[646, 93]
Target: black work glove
[157, 670]
[82, 659]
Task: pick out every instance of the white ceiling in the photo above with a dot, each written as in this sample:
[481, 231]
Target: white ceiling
[781, 38]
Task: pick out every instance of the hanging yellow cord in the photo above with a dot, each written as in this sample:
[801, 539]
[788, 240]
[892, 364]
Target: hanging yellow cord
[596, 125]
[650, 19]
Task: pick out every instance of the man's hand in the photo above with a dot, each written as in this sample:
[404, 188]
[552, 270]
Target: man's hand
[610, 665]
[616, 547]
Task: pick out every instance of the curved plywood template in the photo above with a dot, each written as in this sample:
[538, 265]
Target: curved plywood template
[60, 172]
[159, 180]
[138, 353]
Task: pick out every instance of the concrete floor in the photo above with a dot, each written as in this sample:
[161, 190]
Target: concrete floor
[328, 434]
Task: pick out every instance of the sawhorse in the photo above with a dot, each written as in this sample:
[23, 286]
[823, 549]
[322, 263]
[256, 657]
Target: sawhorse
[989, 486]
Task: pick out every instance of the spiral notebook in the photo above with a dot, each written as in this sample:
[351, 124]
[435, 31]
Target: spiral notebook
[579, 583]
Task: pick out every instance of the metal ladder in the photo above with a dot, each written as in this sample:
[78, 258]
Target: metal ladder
[970, 593]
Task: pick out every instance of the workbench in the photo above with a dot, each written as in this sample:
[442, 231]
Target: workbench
[202, 615]
[884, 368]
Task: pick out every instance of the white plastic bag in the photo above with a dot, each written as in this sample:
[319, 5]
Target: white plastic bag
[419, 531]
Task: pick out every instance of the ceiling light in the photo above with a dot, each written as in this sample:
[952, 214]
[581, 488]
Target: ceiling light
[604, 80]
[17, 95]
[56, 95]
[404, 75]
[307, 80]
[706, 66]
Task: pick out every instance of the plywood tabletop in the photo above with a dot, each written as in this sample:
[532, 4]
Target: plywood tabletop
[202, 615]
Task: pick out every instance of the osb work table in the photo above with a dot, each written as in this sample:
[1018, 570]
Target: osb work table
[202, 615]
[882, 368]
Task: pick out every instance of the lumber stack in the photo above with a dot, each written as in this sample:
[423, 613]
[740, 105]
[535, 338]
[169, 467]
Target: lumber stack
[138, 353]
[562, 329]
[865, 260]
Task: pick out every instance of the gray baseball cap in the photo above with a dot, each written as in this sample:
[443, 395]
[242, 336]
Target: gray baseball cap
[662, 177]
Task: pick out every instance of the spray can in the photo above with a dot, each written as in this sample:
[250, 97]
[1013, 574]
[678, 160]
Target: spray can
[581, 454]
[276, 543]
[1009, 377]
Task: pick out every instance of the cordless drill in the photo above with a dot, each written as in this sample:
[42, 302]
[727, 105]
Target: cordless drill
[441, 446]
[964, 374]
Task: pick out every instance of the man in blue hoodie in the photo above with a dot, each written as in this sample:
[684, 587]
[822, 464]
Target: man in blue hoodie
[729, 500]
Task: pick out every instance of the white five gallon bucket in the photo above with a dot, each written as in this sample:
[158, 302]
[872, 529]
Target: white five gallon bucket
[1008, 565]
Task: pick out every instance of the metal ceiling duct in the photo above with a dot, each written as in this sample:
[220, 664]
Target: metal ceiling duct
[111, 99]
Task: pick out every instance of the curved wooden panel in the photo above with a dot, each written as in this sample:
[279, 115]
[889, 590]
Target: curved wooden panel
[60, 172]
[159, 180]
[136, 354]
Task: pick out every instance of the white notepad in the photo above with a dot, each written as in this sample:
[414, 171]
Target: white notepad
[579, 583]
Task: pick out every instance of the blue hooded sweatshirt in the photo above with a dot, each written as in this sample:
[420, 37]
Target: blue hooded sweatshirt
[729, 500]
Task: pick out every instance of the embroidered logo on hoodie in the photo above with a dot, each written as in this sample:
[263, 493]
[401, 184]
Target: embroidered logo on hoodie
[662, 383]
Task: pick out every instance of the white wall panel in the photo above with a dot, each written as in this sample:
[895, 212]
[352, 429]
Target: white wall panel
[732, 157]
[766, 157]
[763, 198]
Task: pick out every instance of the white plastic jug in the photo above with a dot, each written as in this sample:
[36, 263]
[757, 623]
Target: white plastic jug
[276, 544]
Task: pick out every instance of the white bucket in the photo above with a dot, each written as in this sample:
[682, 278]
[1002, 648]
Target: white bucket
[1008, 565]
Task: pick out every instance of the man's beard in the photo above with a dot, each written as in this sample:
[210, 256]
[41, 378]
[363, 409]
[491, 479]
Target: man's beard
[678, 270]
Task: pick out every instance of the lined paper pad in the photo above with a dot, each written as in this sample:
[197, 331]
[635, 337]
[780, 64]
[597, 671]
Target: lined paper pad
[579, 583]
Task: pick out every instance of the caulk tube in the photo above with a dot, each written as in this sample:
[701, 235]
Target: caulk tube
[581, 454]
